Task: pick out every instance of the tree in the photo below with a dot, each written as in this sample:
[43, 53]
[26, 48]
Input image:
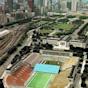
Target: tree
[1, 83]
[61, 29]
[12, 50]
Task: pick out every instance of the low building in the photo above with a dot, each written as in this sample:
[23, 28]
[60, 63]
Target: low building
[56, 53]
[78, 43]
[62, 45]
[57, 43]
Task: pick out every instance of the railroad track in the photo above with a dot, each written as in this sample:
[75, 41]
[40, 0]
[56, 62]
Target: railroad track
[13, 39]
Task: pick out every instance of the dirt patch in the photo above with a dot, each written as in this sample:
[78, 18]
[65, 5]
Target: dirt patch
[61, 80]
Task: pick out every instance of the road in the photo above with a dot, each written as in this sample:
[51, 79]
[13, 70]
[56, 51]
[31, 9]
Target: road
[75, 33]
[51, 34]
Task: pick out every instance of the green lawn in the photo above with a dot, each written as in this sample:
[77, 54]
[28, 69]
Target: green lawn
[64, 26]
[39, 80]
[52, 62]
[42, 22]
[45, 31]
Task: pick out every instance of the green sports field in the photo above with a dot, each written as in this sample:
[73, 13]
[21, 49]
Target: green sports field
[39, 80]
[46, 31]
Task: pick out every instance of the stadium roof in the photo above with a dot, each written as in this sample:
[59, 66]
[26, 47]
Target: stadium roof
[19, 77]
[47, 68]
[33, 59]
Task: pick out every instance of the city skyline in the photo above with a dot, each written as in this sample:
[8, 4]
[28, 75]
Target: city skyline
[2, 1]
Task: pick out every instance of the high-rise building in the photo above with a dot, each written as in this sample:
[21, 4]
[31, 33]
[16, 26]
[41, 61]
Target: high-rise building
[49, 5]
[31, 5]
[55, 5]
[38, 3]
[23, 4]
[74, 5]
[38, 6]
[20, 1]
[44, 6]
[63, 4]
[9, 5]
[69, 4]
[46, 3]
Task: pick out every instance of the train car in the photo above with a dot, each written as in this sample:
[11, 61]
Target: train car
[4, 33]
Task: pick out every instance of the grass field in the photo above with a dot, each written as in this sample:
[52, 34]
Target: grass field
[64, 26]
[58, 63]
[42, 22]
[39, 80]
[46, 31]
[52, 62]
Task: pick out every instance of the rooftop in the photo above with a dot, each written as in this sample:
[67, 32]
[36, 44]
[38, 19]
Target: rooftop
[33, 59]
[47, 68]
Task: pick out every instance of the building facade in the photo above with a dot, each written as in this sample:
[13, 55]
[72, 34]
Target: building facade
[31, 5]
[9, 5]
[74, 5]
[63, 5]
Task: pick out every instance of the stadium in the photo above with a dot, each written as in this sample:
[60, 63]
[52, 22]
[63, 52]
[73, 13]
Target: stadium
[51, 71]
[45, 70]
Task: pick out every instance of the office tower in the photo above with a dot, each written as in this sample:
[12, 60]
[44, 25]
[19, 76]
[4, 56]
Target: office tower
[31, 5]
[38, 6]
[55, 5]
[63, 4]
[38, 3]
[26, 5]
[46, 3]
[49, 5]
[74, 5]
[9, 5]
[69, 4]
[20, 1]
[79, 5]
